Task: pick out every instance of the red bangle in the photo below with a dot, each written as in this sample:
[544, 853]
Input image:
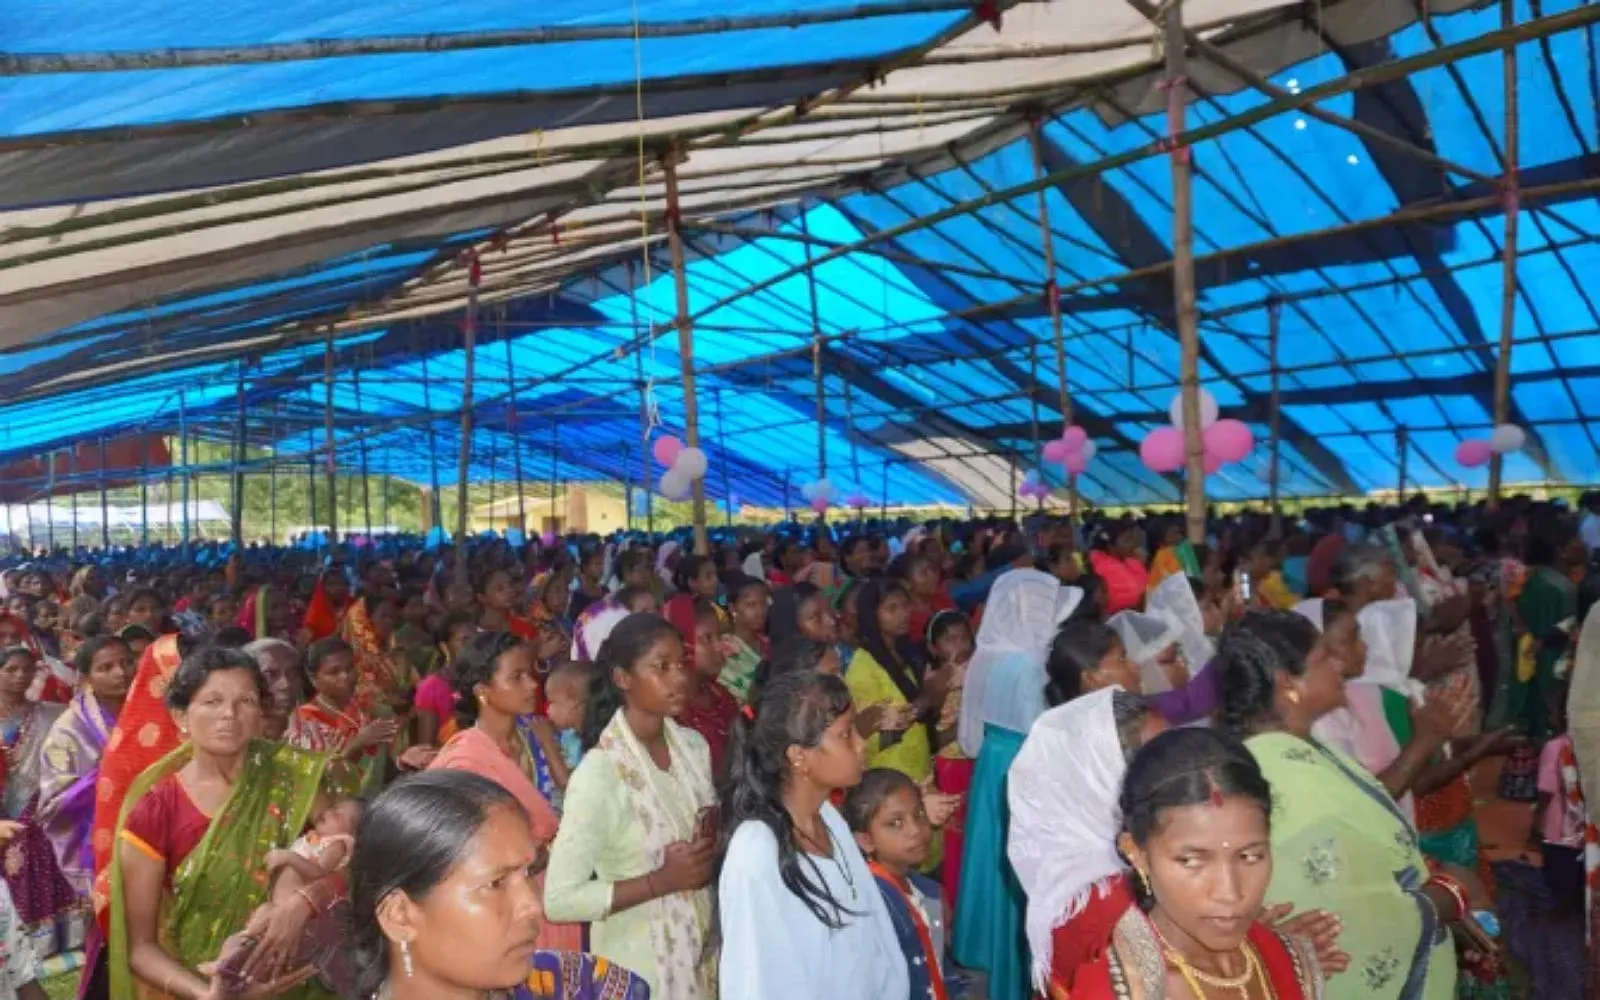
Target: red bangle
[1458, 892]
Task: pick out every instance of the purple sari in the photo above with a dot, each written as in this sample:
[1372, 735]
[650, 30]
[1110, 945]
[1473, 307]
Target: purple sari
[52, 912]
[69, 766]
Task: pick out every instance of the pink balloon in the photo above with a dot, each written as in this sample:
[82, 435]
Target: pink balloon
[820, 505]
[1056, 451]
[549, 539]
[1474, 453]
[1074, 437]
[1229, 440]
[666, 449]
[1214, 462]
[1162, 450]
[1075, 463]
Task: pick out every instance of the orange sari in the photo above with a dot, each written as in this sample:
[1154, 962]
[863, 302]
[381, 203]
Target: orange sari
[378, 677]
[144, 734]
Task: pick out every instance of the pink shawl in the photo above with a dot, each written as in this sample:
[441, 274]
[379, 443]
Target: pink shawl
[472, 750]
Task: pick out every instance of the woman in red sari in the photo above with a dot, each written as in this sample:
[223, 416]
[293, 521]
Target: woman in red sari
[330, 599]
[709, 709]
[1196, 826]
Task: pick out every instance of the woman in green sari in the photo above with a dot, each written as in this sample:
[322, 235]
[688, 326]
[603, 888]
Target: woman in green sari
[1548, 607]
[189, 866]
[1338, 839]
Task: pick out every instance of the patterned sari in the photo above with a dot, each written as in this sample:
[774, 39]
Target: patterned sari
[380, 674]
[68, 770]
[575, 975]
[1135, 967]
[51, 912]
[144, 733]
[213, 891]
[321, 728]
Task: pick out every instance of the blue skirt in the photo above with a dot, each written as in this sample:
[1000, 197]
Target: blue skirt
[989, 932]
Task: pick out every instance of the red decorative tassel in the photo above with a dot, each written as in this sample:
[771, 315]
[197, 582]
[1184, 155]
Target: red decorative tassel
[989, 12]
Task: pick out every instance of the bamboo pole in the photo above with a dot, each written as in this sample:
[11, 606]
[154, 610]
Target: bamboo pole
[512, 422]
[183, 446]
[1273, 336]
[331, 457]
[1183, 287]
[236, 518]
[72, 493]
[50, 507]
[1053, 299]
[680, 281]
[722, 455]
[816, 352]
[1508, 250]
[1033, 415]
[469, 334]
[166, 527]
[272, 479]
[144, 491]
[644, 402]
[311, 492]
[105, 516]
[332, 48]
[1402, 443]
[366, 474]
[434, 520]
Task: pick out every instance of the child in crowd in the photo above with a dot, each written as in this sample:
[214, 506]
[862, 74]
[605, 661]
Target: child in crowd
[436, 694]
[323, 851]
[951, 642]
[886, 814]
[1560, 816]
[332, 722]
[567, 691]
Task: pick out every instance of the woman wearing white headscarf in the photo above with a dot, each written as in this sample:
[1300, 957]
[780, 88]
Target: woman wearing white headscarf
[1583, 724]
[1003, 696]
[1063, 794]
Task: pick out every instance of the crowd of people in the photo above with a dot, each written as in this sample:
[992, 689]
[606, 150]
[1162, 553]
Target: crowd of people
[869, 761]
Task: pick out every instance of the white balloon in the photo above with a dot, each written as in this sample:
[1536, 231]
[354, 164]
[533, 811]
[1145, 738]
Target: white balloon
[674, 485]
[691, 462]
[1090, 450]
[809, 491]
[825, 489]
[1508, 438]
[1208, 409]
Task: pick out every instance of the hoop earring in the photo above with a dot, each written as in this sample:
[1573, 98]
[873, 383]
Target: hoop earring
[405, 958]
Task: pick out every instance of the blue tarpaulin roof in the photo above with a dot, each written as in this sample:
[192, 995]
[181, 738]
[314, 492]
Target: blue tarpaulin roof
[194, 198]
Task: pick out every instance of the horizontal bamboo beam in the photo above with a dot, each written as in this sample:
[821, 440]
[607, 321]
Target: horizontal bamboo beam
[30, 64]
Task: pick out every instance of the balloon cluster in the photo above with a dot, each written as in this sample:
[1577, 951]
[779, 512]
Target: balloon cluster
[1032, 488]
[684, 466]
[1227, 441]
[1476, 452]
[858, 501]
[820, 495]
[1072, 449]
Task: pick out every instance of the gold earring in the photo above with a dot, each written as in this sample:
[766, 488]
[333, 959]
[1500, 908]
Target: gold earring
[1293, 696]
[405, 957]
[1144, 881]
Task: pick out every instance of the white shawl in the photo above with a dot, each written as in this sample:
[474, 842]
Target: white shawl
[1005, 681]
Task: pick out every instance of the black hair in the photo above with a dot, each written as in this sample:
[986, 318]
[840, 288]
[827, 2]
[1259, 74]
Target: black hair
[793, 655]
[453, 621]
[628, 561]
[943, 622]
[1249, 656]
[688, 568]
[83, 659]
[863, 801]
[133, 630]
[198, 666]
[627, 643]
[1093, 586]
[321, 650]
[783, 617]
[627, 595]
[1187, 767]
[476, 665]
[736, 583]
[146, 594]
[903, 661]
[1078, 648]
[374, 599]
[232, 636]
[409, 840]
[851, 544]
[795, 710]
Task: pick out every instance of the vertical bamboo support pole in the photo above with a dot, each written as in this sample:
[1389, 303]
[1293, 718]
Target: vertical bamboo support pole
[105, 506]
[1402, 443]
[469, 332]
[183, 447]
[50, 506]
[644, 404]
[1176, 86]
[331, 455]
[361, 445]
[72, 491]
[236, 521]
[511, 423]
[1033, 400]
[1508, 251]
[311, 492]
[680, 281]
[434, 512]
[1273, 311]
[816, 353]
[722, 455]
[1053, 300]
[144, 490]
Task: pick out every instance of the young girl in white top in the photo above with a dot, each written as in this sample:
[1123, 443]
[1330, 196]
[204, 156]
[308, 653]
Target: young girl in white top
[801, 915]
